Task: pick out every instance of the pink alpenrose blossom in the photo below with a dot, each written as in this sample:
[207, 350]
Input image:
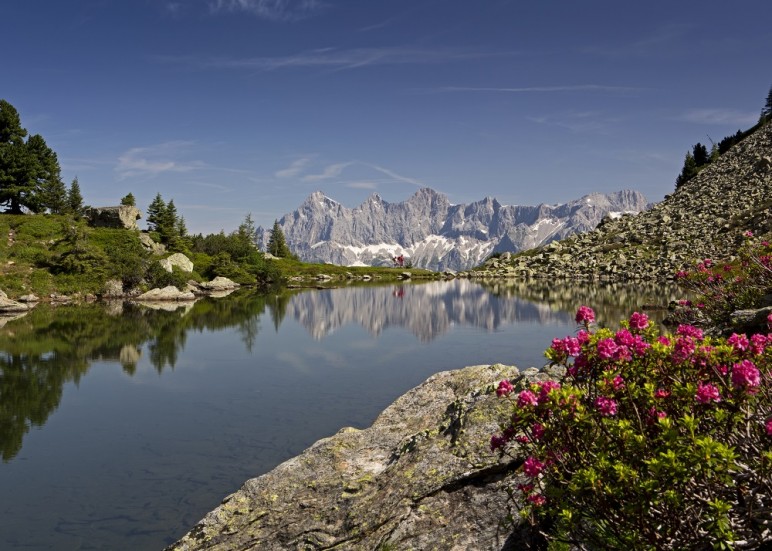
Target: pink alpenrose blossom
[527, 398]
[639, 321]
[745, 375]
[585, 315]
[532, 466]
[606, 406]
[707, 393]
[505, 388]
[769, 426]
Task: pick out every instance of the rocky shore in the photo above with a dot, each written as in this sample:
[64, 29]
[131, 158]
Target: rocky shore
[421, 477]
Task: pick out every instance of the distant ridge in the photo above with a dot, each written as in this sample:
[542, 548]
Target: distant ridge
[433, 233]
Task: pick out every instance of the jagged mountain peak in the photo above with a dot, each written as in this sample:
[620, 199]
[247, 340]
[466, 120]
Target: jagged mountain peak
[432, 232]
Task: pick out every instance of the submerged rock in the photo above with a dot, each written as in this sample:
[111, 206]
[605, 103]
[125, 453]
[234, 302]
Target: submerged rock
[421, 477]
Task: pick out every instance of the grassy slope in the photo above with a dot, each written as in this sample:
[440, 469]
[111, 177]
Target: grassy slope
[38, 241]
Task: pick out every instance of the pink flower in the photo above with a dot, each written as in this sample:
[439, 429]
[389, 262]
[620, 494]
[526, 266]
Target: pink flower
[505, 388]
[655, 415]
[684, 347]
[748, 233]
[663, 340]
[572, 345]
[623, 354]
[681, 274]
[585, 315]
[624, 337]
[661, 393]
[758, 343]
[738, 342]
[497, 442]
[583, 336]
[745, 375]
[525, 488]
[537, 500]
[618, 383]
[607, 348]
[689, 331]
[537, 430]
[769, 426]
[526, 398]
[640, 346]
[707, 393]
[639, 321]
[545, 387]
[532, 466]
[606, 406]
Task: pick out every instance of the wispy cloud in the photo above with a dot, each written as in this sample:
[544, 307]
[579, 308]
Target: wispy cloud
[155, 160]
[330, 171]
[293, 169]
[274, 10]
[541, 89]
[333, 58]
[719, 116]
[578, 122]
[395, 176]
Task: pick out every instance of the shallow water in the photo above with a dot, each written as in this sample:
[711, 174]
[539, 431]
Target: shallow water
[122, 425]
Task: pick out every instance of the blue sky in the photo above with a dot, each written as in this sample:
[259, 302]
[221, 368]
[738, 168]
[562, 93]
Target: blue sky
[237, 106]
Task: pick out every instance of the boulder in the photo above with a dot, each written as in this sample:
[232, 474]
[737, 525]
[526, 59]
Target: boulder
[29, 298]
[150, 245]
[167, 293]
[123, 216]
[219, 284]
[177, 259]
[10, 306]
[421, 477]
[113, 288]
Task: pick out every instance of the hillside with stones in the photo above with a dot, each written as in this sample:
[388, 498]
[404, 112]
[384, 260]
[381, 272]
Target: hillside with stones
[704, 218]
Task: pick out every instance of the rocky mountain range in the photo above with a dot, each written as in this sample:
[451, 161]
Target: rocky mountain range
[432, 233]
[707, 217]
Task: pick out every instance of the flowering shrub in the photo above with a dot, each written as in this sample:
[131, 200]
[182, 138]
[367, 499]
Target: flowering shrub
[725, 287]
[648, 441]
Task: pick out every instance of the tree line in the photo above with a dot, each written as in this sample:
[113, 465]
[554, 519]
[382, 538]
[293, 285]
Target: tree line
[30, 176]
[699, 156]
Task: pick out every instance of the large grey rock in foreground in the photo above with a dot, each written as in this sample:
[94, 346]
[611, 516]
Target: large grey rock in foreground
[421, 477]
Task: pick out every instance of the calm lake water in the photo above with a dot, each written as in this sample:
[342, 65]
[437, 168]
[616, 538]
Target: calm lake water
[122, 425]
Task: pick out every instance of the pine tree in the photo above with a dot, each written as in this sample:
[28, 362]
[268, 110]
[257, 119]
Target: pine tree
[689, 170]
[155, 213]
[277, 245]
[129, 200]
[27, 169]
[75, 199]
[700, 154]
[766, 111]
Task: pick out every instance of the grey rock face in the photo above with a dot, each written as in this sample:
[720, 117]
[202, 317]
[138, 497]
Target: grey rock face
[177, 259]
[421, 477]
[434, 234]
[705, 218]
[123, 216]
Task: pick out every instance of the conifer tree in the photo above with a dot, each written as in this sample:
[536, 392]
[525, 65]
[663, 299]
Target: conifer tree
[277, 245]
[75, 199]
[766, 111]
[129, 200]
[155, 213]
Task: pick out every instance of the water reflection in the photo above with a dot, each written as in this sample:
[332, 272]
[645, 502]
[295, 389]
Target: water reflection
[48, 347]
[429, 310]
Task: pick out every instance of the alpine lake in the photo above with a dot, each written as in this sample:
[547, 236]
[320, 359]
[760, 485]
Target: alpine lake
[122, 424]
